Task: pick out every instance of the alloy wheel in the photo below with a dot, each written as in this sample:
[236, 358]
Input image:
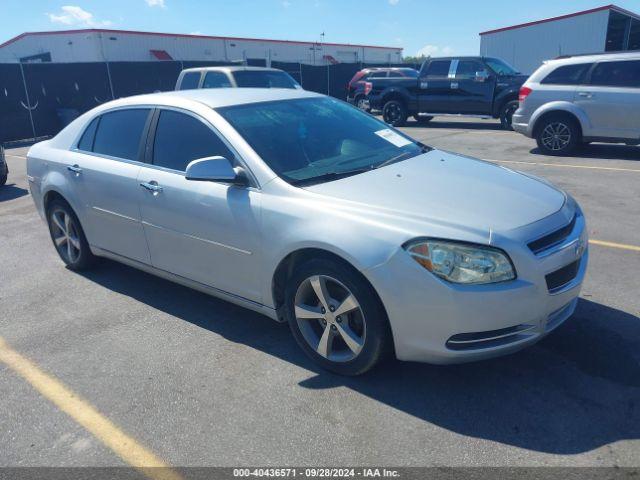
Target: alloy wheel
[330, 318]
[392, 113]
[65, 236]
[556, 136]
[362, 104]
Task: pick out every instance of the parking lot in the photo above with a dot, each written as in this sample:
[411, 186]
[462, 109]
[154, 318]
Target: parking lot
[190, 380]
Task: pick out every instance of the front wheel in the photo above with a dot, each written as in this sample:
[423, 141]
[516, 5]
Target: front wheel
[336, 317]
[558, 135]
[68, 237]
[506, 114]
[394, 113]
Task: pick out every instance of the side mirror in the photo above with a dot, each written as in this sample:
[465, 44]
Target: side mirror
[482, 76]
[215, 169]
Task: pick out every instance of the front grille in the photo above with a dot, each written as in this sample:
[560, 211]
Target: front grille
[552, 239]
[561, 277]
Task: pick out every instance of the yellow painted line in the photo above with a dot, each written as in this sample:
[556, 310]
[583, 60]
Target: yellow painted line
[88, 417]
[15, 156]
[622, 246]
[615, 169]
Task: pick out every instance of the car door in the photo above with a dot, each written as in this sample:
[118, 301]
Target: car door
[435, 88]
[204, 231]
[611, 99]
[472, 88]
[105, 173]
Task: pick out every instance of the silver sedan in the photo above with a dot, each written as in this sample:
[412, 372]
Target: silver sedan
[307, 210]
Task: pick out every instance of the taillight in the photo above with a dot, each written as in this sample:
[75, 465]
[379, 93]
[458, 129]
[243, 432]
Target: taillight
[524, 93]
[367, 87]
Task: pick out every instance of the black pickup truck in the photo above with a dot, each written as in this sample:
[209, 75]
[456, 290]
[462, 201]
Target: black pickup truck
[479, 86]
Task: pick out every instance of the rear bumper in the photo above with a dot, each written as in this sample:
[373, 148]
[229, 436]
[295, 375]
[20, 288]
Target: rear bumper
[520, 124]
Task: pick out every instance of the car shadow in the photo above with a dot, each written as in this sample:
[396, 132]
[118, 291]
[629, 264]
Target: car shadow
[576, 390]
[602, 151]
[11, 192]
[468, 125]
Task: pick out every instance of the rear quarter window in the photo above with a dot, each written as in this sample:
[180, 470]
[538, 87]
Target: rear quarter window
[567, 74]
[86, 141]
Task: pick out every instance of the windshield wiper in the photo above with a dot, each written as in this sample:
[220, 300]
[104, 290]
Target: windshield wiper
[329, 176]
[404, 155]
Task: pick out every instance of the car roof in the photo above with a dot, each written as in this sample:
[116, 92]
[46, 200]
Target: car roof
[635, 55]
[215, 97]
[231, 68]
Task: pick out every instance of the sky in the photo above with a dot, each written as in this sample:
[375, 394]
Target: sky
[430, 27]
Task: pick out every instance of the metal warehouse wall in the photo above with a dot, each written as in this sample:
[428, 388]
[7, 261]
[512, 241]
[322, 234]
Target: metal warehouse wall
[88, 46]
[527, 47]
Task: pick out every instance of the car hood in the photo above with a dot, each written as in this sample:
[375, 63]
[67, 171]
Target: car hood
[449, 189]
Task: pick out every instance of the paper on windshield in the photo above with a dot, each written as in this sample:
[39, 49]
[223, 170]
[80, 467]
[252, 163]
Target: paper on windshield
[392, 137]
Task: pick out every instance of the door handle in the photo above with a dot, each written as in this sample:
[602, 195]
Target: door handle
[75, 169]
[585, 94]
[151, 186]
[454, 85]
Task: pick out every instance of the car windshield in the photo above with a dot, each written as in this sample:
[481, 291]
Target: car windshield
[501, 67]
[264, 79]
[313, 140]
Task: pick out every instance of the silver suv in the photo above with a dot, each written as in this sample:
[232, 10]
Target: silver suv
[572, 101]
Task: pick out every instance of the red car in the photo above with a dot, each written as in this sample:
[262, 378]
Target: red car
[358, 87]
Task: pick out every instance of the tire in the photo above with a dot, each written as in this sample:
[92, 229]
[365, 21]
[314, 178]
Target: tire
[423, 119]
[364, 325]
[506, 114]
[3, 177]
[394, 113]
[558, 135]
[68, 237]
[360, 102]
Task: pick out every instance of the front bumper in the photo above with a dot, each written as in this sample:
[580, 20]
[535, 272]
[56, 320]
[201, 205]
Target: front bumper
[438, 322]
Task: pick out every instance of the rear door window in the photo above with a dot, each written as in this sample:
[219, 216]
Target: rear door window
[382, 74]
[264, 79]
[181, 138]
[568, 75]
[439, 68]
[190, 81]
[616, 74]
[119, 133]
[216, 80]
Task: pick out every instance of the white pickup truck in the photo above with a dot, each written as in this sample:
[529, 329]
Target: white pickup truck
[234, 77]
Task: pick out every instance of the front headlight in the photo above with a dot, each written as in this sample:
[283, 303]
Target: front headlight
[461, 262]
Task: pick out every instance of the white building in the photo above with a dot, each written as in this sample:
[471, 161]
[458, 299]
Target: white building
[526, 46]
[98, 45]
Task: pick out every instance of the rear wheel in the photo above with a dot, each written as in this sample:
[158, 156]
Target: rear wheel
[336, 317]
[363, 104]
[3, 175]
[558, 135]
[506, 114]
[68, 237]
[394, 113]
